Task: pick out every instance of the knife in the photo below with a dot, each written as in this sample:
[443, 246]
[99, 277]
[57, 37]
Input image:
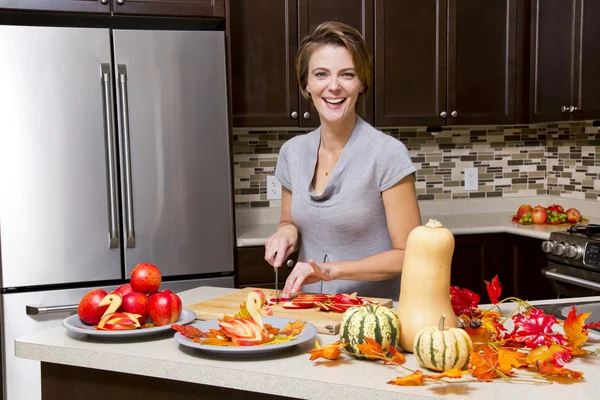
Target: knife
[276, 285]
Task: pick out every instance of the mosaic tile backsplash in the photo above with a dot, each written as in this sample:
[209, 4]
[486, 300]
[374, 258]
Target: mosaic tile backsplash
[559, 159]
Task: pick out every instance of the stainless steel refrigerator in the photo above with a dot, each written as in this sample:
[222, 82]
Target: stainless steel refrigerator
[114, 150]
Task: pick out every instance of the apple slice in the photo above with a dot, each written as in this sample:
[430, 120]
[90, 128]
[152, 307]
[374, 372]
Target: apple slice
[336, 308]
[113, 301]
[322, 306]
[293, 306]
[119, 322]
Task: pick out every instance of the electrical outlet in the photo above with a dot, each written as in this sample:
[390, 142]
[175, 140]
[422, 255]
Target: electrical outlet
[273, 188]
[471, 179]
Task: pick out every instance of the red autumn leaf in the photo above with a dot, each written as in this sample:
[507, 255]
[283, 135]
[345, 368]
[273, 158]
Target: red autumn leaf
[592, 325]
[535, 329]
[494, 289]
[463, 300]
[554, 354]
[189, 331]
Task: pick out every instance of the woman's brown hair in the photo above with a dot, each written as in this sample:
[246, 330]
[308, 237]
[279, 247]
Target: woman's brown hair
[336, 34]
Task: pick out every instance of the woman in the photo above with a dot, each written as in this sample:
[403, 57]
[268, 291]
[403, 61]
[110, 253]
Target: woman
[348, 194]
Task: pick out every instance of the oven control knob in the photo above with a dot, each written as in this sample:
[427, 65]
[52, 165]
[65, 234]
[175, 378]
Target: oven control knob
[547, 246]
[573, 251]
[559, 249]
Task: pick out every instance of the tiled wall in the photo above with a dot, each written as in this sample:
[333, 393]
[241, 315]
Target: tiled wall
[560, 159]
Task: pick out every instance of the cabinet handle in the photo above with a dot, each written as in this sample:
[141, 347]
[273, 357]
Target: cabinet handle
[306, 115]
[290, 263]
[443, 114]
[120, 1]
[103, 1]
[564, 109]
[572, 109]
[454, 114]
[295, 114]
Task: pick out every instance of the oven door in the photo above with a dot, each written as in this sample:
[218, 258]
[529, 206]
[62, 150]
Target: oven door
[572, 282]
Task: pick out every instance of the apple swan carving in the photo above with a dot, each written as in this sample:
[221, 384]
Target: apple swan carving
[254, 305]
[113, 301]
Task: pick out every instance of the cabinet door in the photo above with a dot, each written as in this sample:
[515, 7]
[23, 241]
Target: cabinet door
[253, 270]
[187, 8]
[528, 260]
[410, 62]
[552, 37]
[587, 61]
[481, 61]
[468, 262]
[95, 6]
[356, 13]
[263, 44]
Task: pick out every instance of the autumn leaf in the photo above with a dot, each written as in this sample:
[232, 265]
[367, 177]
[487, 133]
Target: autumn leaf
[592, 325]
[554, 354]
[331, 351]
[573, 327]
[409, 380]
[215, 342]
[494, 289]
[551, 369]
[188, 331]
[484, 366]
[292, 328]
[479, 337]
[397, 357]
[271, 329]
[216, 333]
[453, 373]
[508, 358]
[243, 313]
[463, 300]
[534, 329]
[370, 348]
[491, 322]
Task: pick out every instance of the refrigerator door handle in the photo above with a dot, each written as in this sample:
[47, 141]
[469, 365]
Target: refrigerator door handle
[107, 103]
[39, 310]
[124, 109]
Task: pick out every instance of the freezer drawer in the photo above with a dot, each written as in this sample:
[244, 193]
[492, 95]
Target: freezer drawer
[22, 377]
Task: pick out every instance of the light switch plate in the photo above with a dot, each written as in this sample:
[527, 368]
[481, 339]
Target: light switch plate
[471, 179]
[273, 188]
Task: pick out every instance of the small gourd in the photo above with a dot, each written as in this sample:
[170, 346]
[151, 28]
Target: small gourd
[441, 350]
[376, 322]
[425, 282]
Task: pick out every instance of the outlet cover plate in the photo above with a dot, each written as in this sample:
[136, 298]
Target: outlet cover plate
[471, 179]
[273, 188]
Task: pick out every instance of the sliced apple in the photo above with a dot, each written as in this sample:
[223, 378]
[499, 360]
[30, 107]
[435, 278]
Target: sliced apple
[119, 321]
[294, 306]
[113, 301]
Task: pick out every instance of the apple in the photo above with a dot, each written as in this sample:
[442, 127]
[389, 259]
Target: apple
[524, 209]
[539, 216]
[263, 298]
[573, 215]
[123, 289]
[136, 303]
[164, 307]
[538, 207]
[145, 278]
[119, 322]
[557, 208]
[89, 310]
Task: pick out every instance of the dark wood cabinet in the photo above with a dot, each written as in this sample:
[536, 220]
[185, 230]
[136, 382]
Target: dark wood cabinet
[527, 259]
[87, 6]
[186, 8]
[253, 270]
[264, 39]
[565, 60]
[445, 62]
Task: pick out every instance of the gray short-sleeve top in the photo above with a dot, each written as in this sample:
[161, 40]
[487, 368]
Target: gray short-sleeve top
[347, 221]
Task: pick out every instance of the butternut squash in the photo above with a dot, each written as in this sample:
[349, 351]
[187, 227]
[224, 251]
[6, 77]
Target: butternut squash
[425, 282]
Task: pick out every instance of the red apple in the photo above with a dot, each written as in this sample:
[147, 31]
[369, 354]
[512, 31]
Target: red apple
[573, 215]
[524, 209]
[539, 216]
[88, 310]
[136, 303]
[164, 307]
[538, 207]
[123, 289]
[145, 278]
[557, 208]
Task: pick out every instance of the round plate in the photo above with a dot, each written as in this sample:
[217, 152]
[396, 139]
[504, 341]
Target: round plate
[308, 333]
[74, 324]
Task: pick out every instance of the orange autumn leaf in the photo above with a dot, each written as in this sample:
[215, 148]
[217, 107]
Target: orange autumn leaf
[507, 359]
[271, 329]
[453, 373]
[550, 369]
[484, 365]
[479, 337]
[292, 328]
[397, 357]
[409, 380]
[491, 322]
[330, 351]
[574, 328]
[371, 348]
[554, 354]
[215, 342]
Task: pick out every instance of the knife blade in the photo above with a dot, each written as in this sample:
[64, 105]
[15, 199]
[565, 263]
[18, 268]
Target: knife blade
[276, 285]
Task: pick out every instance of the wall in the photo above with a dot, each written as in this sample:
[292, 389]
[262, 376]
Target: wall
[561, 159]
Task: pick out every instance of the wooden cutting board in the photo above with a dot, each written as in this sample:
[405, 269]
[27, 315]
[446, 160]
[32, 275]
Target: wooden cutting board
[327, 322]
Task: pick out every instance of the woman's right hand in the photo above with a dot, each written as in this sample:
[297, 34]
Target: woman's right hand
[279, 246]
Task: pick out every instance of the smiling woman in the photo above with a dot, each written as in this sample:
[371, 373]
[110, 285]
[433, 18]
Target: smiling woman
[348, 198]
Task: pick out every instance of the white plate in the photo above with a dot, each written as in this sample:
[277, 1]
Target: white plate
[308, 333]
[74, 324]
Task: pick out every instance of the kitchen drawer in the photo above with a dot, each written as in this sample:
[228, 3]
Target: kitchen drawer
[252, 269]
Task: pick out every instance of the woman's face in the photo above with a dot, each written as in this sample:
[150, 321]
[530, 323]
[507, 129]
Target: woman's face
[333, 83]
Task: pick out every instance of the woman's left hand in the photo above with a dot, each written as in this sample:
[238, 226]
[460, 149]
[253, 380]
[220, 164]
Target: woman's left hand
[305, 273]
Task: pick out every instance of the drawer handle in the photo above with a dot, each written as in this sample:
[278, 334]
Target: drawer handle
[290, 263]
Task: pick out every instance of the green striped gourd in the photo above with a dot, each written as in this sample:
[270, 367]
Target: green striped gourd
[377, 322]
[440, 349]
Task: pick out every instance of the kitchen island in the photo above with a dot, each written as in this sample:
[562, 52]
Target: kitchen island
[158, 367]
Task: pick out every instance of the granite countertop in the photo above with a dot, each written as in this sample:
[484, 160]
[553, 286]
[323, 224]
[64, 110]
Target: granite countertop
[287, 373]
[462, 217]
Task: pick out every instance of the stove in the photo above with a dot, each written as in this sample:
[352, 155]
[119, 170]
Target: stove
[574, 261]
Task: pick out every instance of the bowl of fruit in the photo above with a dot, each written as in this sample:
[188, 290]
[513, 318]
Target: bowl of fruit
[554, 214]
